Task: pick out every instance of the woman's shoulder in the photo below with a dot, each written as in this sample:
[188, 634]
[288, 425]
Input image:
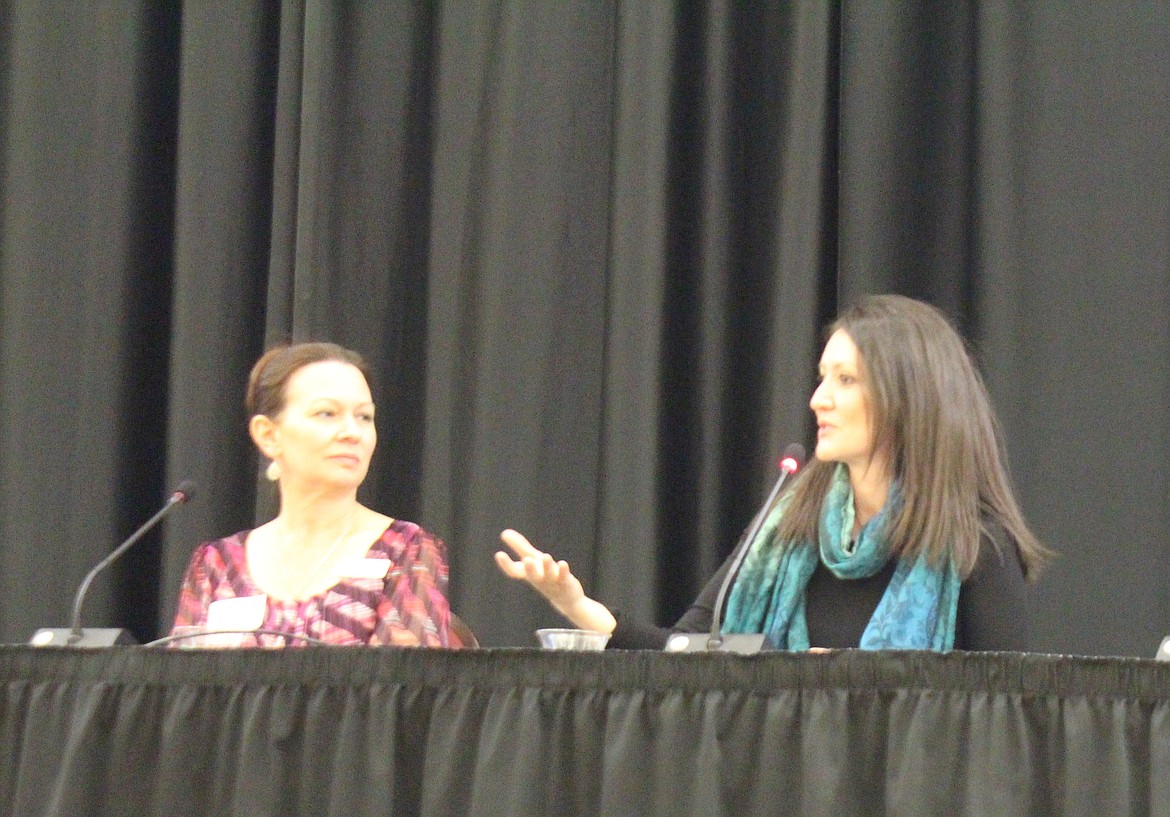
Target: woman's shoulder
[402, 534]
[993, 601]
[226, 551]
[408, 543]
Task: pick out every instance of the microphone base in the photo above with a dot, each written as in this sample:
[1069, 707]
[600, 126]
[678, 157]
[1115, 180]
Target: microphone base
[90, 637]
[742, 643]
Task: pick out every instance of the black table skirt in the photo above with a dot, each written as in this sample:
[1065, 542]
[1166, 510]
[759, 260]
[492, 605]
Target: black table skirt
[353, 732]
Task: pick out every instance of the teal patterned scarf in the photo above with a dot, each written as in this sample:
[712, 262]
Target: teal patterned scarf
[917, 611]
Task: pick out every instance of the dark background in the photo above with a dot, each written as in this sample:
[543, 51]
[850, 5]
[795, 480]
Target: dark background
[589, 249]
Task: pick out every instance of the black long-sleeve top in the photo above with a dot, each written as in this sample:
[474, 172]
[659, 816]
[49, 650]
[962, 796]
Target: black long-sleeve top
[992, 612]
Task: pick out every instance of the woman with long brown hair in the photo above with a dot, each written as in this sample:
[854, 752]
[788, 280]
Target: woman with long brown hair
[903, 534]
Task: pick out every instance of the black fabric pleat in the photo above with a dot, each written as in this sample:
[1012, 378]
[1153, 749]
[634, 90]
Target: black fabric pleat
[354, 732]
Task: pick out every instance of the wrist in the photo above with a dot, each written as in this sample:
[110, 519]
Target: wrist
[590, 615]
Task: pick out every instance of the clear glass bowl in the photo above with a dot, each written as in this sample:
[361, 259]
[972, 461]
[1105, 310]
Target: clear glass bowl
[553, 638]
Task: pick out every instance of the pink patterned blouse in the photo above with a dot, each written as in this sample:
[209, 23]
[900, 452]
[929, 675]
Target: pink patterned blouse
[404, 605]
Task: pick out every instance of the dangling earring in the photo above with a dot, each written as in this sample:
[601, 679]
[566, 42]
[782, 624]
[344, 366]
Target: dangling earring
[272, 471]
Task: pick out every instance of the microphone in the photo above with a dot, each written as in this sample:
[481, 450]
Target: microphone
[74, 635]
[790, 463]
[174, 640]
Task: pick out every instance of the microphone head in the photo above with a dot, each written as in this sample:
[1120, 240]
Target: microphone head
[792, 458]
[184, 492]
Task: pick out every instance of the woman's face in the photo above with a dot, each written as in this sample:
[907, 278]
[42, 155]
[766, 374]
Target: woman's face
[841, 404]
[325, 433]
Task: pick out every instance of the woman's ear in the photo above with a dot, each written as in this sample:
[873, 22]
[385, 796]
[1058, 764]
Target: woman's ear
[263, 432]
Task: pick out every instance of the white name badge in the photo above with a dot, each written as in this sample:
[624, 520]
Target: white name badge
[239, 613]
[364, 568]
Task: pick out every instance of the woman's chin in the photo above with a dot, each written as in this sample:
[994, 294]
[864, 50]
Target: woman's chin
[332, 483]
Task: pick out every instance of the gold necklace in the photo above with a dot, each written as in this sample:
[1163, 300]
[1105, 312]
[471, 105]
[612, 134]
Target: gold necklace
[324, 559]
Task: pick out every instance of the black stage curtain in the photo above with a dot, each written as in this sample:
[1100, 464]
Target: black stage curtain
[589, 249]
[353, 732]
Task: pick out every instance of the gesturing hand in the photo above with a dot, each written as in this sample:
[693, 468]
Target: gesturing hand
[550, 578]
[554, 580]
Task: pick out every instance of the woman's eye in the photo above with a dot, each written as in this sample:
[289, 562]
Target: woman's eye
[366, 418]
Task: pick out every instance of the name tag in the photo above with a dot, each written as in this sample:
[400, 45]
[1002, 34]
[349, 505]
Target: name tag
[364, 568]
[240, 613]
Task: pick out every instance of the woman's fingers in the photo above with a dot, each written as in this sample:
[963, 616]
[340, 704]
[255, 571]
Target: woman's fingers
[537, 568]
[550, 577]
[509, 566]
[542, 569]
[553, 579]
[518, 542]
[534, 565]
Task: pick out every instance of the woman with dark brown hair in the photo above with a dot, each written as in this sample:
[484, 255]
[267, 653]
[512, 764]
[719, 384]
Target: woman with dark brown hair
[903, 534]
[327, 569]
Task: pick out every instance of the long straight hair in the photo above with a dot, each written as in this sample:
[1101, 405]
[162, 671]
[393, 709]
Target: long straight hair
[930, 413]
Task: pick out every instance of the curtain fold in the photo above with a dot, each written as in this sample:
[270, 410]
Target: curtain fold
[908, 149]
[222, 231]
[625, 572]
[516, 327]
[86, 199]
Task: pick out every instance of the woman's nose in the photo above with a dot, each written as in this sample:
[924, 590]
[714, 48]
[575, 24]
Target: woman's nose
[349, 427]
[820, 397]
